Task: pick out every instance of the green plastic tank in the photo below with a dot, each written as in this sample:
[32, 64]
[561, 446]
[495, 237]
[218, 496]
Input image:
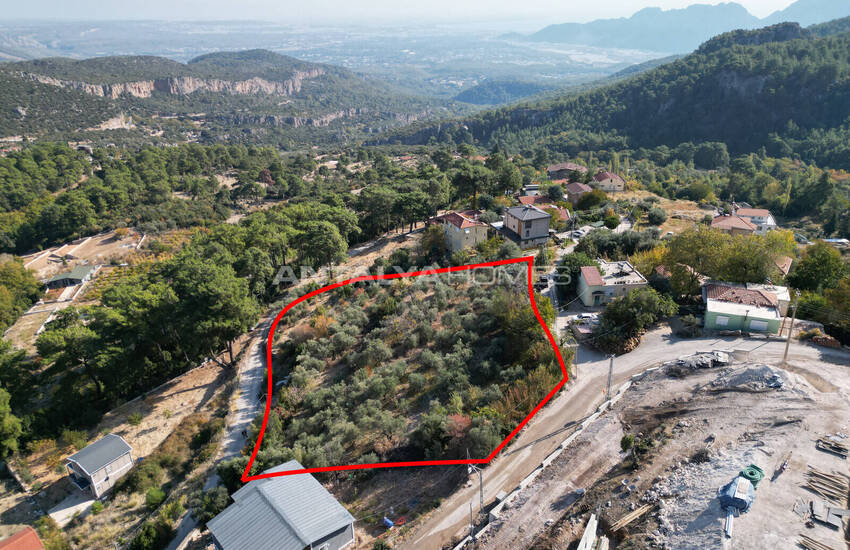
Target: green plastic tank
[754, 474]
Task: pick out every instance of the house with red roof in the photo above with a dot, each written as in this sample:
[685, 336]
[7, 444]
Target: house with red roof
[574, 191]
[734, 225]
[616, 279]
[760, 217]
[545, 203]
[463, 229]
[25, 539]
[609, 182]
[748, 308]
[534, 200]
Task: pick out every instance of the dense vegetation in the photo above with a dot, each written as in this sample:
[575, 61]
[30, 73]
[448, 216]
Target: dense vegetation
[18, 290]
[190, 306]
[423, 368]
[321, 103]
[499, 92]
[789, 96]
[50, 193]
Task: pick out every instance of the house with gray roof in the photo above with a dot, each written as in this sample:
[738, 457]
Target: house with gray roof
[527, 225]
[76, 276]
[291, 512]
[98, 467]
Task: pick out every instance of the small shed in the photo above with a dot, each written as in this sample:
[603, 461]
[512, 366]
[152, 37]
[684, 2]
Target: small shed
[99, 466]
[25, 539]
[76, 276]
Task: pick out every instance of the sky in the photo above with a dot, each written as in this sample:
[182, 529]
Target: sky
[359, 11]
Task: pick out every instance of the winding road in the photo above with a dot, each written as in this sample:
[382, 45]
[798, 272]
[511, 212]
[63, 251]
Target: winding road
[575, 402]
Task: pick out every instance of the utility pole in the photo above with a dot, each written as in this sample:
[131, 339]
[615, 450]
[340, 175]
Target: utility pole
[791, 328]
[473, 468]
[471, 522]
[610, 375]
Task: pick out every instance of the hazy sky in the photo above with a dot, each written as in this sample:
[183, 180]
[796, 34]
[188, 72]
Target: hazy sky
[317, 11]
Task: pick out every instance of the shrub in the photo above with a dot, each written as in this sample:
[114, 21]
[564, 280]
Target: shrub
[75, 438]
[141, 478]
[656, 216]
[97, 507]
[627, 442]
[154, 497]
[154, 535]
[205, 505]
[417, 382]
[135, 419]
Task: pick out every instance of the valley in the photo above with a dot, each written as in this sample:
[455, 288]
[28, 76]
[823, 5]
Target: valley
[474, 284]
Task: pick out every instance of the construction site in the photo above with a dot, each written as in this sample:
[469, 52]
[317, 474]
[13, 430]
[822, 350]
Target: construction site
[714, 450]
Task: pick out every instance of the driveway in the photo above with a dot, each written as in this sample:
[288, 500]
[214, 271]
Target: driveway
[75, 504]
[579, 399]
[243, 410]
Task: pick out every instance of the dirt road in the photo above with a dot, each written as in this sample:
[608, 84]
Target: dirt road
[244, 409]
[578, 400]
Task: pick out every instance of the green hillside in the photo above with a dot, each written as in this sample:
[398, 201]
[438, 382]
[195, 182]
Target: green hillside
[252, 96]
[749, 89]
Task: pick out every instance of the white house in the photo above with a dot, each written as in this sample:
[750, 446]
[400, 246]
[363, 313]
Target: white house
[617, 279]
[761, 218]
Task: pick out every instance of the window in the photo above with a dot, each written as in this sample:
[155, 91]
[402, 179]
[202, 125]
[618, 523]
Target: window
[109, 468]
[528, 225]
[758, 325]
[722, 321]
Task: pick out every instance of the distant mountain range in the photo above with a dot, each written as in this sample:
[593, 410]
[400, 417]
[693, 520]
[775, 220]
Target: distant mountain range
[782, 87]
[682, 30]
[251, 95]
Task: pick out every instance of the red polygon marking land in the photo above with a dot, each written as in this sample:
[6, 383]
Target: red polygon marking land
[528, 260]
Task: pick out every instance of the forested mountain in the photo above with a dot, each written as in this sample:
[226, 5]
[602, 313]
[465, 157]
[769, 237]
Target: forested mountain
[499, 92]
[682, 30]
[252, 95]
[788, 95]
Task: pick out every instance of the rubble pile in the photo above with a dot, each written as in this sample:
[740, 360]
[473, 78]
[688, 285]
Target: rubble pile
[754, 378]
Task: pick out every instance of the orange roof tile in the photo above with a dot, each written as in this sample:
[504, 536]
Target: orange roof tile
[591, 276]
[740, 295]
[752, 212]
[25, 539]
[733, 222]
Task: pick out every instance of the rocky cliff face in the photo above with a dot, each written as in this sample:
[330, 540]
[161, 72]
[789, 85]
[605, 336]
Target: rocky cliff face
[185, 85]
[294, 121]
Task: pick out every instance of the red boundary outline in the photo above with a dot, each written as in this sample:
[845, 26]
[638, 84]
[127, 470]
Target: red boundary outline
[528, 260]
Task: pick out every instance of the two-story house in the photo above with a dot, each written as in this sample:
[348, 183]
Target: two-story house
[609, 182]
[617, 279]
[761, 218]
[734, 225]
[98, 467]
[462, 229]
[575, 191]
[528, 225]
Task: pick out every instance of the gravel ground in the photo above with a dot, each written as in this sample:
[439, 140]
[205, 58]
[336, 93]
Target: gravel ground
[741, 414]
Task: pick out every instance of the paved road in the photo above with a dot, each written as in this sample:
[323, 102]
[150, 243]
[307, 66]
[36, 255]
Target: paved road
[244, 409]
[581, 398]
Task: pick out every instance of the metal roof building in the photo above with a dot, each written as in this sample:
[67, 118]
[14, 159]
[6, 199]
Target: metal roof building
[99, 466]
[76, 276]
[283, 513]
